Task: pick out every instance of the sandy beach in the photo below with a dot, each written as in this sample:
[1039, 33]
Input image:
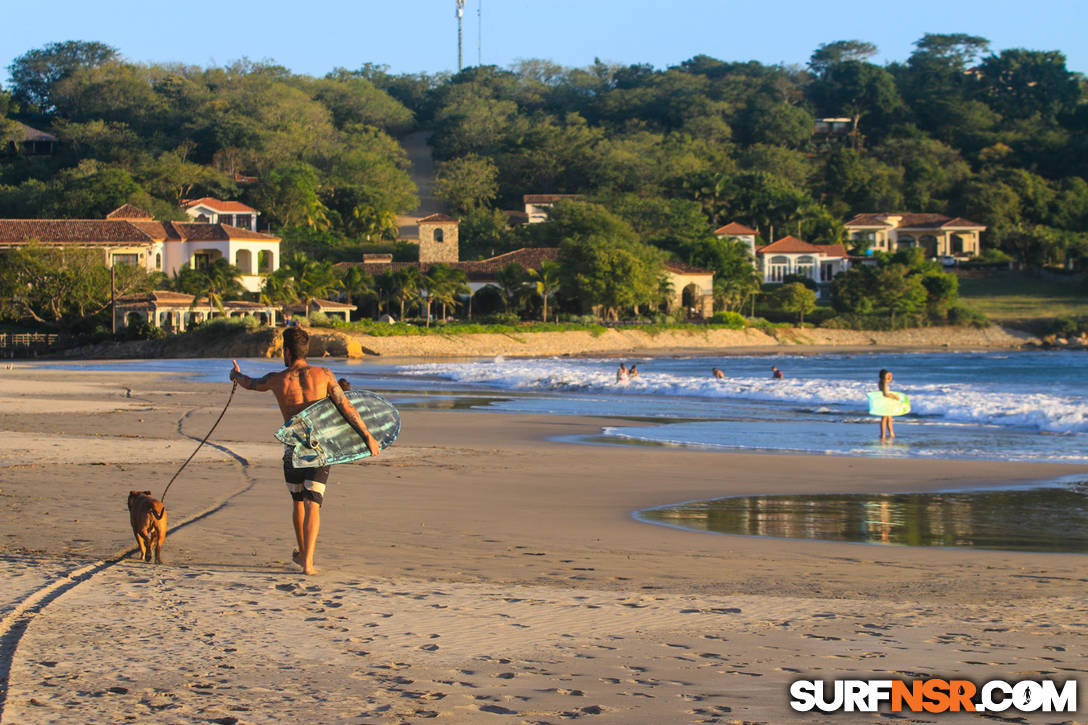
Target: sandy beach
[477, 571]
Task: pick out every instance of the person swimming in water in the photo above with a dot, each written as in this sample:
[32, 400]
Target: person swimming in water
[776, 373]
[884, 380]
[621, 374]
[633, 371]
[717, 373]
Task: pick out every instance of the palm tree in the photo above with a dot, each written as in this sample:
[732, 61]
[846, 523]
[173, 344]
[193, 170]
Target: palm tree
[386, 285]
[221, 279]
[408, 281]
[511, 279]
[444, 285]
[279, 290]
[358, 284]
[312, 279]
[547, 282]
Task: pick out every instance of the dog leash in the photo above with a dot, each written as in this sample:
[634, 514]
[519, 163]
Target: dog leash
[183, 465]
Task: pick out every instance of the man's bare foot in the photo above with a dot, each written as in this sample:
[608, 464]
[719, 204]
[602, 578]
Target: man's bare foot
[309, 572]
[296, 556]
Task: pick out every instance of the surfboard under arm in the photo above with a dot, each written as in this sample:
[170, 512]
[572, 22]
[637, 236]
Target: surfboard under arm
[321, 436]
[881, 405]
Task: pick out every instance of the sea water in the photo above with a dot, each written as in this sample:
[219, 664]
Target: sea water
[1014, 406]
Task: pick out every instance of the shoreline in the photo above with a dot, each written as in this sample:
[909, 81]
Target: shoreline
[574, 343]
[477, 569]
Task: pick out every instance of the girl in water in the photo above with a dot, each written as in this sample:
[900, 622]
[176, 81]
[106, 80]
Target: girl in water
[884, 380]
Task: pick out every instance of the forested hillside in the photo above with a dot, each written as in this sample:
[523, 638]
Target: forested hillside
[999, 137]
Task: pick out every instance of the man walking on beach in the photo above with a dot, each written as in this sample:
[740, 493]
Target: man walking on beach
[295, 388]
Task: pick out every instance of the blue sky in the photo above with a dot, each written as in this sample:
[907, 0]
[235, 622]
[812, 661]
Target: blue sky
[316, 36]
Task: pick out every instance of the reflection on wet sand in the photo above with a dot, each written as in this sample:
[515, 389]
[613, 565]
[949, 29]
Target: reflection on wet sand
[1046, 518]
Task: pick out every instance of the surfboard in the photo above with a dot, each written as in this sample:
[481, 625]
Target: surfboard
[882, 406]
[320, 436]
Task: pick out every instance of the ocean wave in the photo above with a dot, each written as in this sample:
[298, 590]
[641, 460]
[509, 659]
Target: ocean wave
[962, 403]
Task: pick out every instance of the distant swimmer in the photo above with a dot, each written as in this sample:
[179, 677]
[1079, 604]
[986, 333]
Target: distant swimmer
[621, 374]
[884, 380]
[776, 373]
[718, 373]
[633, 372]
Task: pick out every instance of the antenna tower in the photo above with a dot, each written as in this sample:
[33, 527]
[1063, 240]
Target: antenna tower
[460, 16]
[480, 33]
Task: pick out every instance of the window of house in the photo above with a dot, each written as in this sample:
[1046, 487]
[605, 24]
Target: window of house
[439, 235]
[805, 266]
[245, 221]
[226, 219]
[158, 261]
[129, 259]
[780, 267]
[905, 241]
[264, 262]
[203, 260]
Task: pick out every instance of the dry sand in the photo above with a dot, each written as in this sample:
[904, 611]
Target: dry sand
[475, 572]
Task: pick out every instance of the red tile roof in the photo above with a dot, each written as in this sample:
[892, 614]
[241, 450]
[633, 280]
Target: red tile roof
[793, 245]
[229, 207]
[114, 231]
[734, 229]
[912, 221]
[28, 133]
[438, 219]
[128, 211]
[547, 198]
[71, 231]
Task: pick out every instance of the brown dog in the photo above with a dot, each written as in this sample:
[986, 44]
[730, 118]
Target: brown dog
[148, 516]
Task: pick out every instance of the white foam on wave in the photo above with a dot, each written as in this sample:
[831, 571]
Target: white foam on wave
[965, 403]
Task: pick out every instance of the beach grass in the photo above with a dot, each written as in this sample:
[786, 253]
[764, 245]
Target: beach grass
[1008, 296]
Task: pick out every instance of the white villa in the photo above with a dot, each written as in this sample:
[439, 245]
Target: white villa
[939, 235]
[214, 211]
[129, 235]
[793, 256]
[741, 233]
[537, 206]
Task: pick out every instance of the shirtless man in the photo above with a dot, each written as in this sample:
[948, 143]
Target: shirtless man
[296, 388]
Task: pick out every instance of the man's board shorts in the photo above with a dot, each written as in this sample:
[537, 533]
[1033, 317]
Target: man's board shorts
[305, 484]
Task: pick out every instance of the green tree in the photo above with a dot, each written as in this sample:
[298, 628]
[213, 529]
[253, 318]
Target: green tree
[405, 287]
[546, 280]
[358, 284]
[1020, 83]
[290, 195]
[219, 281]
[312, 279]
[35, 74]
[610, 274]
[828, 55]
[795, 297]
[63, 289]
[856, 89]
[445, 285]
[466, 183]
[511, 281]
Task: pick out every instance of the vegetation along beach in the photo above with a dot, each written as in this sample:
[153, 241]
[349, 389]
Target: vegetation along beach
[635, 332]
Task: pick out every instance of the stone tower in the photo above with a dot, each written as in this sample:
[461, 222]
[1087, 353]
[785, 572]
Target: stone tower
[438, 239]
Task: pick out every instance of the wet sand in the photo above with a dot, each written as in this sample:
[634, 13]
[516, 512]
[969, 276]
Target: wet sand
[475, 572]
